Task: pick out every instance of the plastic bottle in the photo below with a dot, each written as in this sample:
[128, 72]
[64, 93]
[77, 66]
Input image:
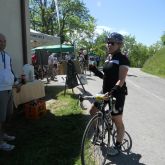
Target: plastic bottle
[28, 71]
[30, 76]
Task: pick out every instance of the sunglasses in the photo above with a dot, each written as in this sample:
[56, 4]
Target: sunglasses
[111, 43]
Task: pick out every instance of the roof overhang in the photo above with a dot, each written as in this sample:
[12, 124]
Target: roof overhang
[40, 39]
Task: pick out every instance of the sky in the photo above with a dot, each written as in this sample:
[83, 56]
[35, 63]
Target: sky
[143, 19]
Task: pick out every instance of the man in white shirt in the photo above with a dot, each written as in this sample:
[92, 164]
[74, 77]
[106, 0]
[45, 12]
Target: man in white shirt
[7, 80]
[52, 64]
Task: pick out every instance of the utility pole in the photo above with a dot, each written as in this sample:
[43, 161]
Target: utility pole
[58, 18]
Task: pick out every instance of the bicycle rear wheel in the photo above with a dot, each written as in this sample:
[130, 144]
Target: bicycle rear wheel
[126, 143]
[95, 141]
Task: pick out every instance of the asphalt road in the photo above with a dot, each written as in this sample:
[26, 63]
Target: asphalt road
[144, 117]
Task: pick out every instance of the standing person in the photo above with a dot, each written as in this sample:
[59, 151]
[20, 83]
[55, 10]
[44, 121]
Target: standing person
[55, 63]
[51, 66]
[98, 61]
[91, 62]
[34, 59]
[35, 64]
[6, 99]
[85, 60]
[81, 60]
[67, 56]
[115, 70]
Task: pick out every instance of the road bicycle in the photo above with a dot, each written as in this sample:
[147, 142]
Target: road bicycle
[100, 134]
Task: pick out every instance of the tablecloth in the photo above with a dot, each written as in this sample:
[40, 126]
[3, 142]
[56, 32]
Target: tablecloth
[29, 91]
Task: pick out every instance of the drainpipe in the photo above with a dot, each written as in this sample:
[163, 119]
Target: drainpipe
[24, 35]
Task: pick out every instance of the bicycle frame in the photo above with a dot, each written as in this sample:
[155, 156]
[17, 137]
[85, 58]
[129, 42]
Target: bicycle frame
[107, 118]
[103, 111]
[100, 133]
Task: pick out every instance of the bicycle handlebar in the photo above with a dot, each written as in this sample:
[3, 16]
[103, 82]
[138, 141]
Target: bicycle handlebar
[98, 97]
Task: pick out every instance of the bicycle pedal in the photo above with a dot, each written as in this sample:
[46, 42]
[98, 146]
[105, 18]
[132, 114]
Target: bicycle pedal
[97, 143]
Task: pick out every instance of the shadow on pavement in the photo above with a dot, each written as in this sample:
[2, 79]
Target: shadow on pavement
[84, 93]
[124, 159]
[53, 91]
[131, 75]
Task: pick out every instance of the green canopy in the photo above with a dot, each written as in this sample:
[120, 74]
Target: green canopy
[56, 48]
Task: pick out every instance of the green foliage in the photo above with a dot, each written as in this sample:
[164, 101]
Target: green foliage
[42, 16]
[77, 28]
[163, 38]
[137, 52]
[129, 43]
[99, 45]
[138, 55]
[74, 23]
[156, 64]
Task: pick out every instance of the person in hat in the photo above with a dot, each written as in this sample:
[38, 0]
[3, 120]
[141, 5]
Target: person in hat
[114, 75]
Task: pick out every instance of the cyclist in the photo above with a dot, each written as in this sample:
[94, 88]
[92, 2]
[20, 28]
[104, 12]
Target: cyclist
[81, 59]
[52, 65]
[114, 74]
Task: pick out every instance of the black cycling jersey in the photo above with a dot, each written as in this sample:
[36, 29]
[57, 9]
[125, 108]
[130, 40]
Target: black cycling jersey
[111, 71]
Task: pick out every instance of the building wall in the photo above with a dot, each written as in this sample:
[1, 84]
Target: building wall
[10, 26]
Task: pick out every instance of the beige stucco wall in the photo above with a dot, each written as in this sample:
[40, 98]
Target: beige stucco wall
[10, 26]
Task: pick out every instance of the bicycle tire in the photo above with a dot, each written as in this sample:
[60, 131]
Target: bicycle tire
[94, 146]
[126, 143]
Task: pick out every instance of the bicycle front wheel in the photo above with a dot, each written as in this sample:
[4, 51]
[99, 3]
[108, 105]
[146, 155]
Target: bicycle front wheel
[95, 141]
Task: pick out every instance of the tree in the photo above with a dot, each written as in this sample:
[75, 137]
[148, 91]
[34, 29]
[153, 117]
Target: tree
[76, 23]
[163, 38]
[74, 19]
[99, 46]
[42, 16]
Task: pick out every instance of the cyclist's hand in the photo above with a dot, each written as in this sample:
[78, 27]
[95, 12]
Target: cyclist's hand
[106, 96]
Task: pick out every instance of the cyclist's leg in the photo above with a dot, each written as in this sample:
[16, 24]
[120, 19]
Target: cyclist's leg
[94, 108]
[55, 69]
[117, 118]
[51, 72]
[119, 127]
[120, 130]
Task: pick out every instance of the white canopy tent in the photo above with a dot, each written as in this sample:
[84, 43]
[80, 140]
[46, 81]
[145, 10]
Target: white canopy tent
[41, 39]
